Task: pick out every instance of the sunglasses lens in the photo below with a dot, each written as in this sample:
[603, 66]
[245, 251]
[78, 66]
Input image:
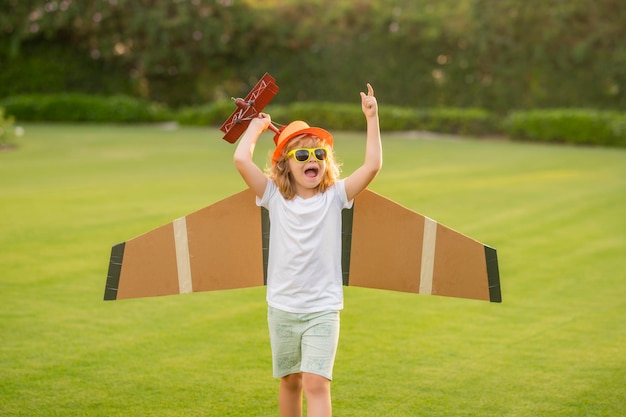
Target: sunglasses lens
[320, 154]
[302, 155]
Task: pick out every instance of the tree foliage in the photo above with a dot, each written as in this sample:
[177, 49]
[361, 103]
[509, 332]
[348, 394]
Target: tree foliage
[495, 54]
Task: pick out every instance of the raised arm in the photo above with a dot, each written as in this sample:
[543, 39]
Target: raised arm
[250, 172]
[360, 179]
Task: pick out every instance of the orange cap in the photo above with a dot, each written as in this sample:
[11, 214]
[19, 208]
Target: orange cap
[298, 128]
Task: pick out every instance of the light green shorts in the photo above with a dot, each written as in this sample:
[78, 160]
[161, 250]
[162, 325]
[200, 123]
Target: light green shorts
[303, 342]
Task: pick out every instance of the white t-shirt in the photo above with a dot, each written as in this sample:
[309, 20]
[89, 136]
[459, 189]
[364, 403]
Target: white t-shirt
[304, 265]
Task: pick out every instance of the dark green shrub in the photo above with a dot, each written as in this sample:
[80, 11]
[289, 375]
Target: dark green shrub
[8, 135]
[395, 118]
[577, 126]
[461, 121]
[84, 108]
[213, 114]
[332, 116]
[340, 116]
[329, 115]
[392, 118]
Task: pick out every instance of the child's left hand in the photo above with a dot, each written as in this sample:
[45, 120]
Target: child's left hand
[368, 102]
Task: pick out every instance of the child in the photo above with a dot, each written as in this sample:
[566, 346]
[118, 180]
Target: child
[304, 197]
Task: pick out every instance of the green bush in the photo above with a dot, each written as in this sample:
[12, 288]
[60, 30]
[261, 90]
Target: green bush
[339, 116]
[84, 108]
[459, 121]
[208, 115]
[577, 126]
[8, 135]
[334, 116]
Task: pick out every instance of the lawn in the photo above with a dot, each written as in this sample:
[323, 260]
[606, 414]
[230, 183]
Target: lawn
[556, 346]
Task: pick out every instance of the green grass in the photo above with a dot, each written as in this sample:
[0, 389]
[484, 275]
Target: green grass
[556, 346]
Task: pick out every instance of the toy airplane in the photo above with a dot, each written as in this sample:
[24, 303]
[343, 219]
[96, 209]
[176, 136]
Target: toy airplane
[250, 107]
[226, 245]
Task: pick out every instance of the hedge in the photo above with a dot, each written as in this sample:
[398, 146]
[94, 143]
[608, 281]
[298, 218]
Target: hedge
[338, 116]
[576, 126]
[210, 114]
[8, 136]
[84, 108]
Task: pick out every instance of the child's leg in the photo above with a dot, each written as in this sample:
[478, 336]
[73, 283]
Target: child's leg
[290, 396]
[319, 347]
[317, 392]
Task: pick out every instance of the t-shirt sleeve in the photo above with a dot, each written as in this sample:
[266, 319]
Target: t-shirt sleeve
[270, 189]
[343, 196]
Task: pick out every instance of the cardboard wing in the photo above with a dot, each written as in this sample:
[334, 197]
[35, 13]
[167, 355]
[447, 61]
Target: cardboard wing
[226, 245]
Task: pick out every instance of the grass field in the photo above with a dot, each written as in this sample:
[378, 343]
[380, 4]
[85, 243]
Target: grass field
[556, 346]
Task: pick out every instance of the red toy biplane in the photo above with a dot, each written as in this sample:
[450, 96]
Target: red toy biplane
[249, 108]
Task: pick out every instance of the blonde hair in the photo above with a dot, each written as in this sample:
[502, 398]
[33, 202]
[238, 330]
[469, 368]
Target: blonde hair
[281, 175]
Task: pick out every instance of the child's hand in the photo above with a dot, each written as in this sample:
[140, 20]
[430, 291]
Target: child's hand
[368, 102]
[261, 123]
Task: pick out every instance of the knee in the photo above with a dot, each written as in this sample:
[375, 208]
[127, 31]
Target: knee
[292, 382]
[315, 385]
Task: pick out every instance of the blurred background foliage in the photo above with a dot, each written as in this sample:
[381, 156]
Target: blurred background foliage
[494, 54]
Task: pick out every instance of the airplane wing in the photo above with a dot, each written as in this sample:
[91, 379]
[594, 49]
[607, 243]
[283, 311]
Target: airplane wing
[394, 248]
[226, 245]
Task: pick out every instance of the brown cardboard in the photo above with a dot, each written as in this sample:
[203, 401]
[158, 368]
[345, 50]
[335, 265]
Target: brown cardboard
[225, 244]
[221, 247]
[386, 245]
[387, 248]
[144, 274]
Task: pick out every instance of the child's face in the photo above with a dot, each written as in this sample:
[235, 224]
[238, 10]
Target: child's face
[309, 174]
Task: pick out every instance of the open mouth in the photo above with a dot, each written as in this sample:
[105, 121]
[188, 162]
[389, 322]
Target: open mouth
[311, 172]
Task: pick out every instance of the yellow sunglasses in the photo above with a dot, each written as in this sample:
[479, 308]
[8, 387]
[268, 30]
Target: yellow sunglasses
[304, 154]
